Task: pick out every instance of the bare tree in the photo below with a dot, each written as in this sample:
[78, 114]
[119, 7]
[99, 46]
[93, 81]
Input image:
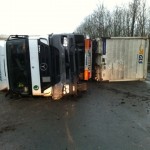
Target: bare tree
[142, 19]
[134, 6]
[133, 20]
[147, 28]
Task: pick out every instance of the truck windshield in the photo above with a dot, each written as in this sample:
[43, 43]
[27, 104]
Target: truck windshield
[18, 65]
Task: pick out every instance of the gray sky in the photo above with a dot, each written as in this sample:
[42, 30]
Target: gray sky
[46, 16]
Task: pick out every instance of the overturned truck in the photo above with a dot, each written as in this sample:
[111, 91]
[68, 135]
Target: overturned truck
[58, 64]
[51, 65]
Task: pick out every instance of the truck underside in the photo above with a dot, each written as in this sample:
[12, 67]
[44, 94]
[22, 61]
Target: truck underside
[46, 69]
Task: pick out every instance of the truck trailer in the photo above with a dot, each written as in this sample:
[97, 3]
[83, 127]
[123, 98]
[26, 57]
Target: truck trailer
[120, 58]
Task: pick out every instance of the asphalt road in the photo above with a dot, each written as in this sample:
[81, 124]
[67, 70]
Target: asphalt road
[109, 116]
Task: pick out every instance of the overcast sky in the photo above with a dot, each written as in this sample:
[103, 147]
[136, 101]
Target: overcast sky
[46, 16]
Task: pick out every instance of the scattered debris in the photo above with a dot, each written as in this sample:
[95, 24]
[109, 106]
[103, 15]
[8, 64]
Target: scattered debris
[122, 102]
[7, 129]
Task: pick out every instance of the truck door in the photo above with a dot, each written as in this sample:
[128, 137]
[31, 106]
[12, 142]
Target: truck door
[18, 64]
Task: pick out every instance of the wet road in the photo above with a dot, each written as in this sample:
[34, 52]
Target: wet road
[109, 116]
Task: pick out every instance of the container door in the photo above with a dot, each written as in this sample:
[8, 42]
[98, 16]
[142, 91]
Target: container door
[123, 59]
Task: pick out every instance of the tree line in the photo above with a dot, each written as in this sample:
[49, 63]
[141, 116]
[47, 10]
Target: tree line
[126, 21]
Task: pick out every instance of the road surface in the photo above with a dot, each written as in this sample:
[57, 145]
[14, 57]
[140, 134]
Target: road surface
[109, 116]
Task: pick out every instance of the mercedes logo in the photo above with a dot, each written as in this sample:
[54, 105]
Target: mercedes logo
[43, 67]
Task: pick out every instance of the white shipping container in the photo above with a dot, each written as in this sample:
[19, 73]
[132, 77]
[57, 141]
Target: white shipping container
[121, 59]
[3, 66]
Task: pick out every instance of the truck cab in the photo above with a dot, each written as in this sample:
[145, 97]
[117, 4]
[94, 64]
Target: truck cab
[51, 65]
